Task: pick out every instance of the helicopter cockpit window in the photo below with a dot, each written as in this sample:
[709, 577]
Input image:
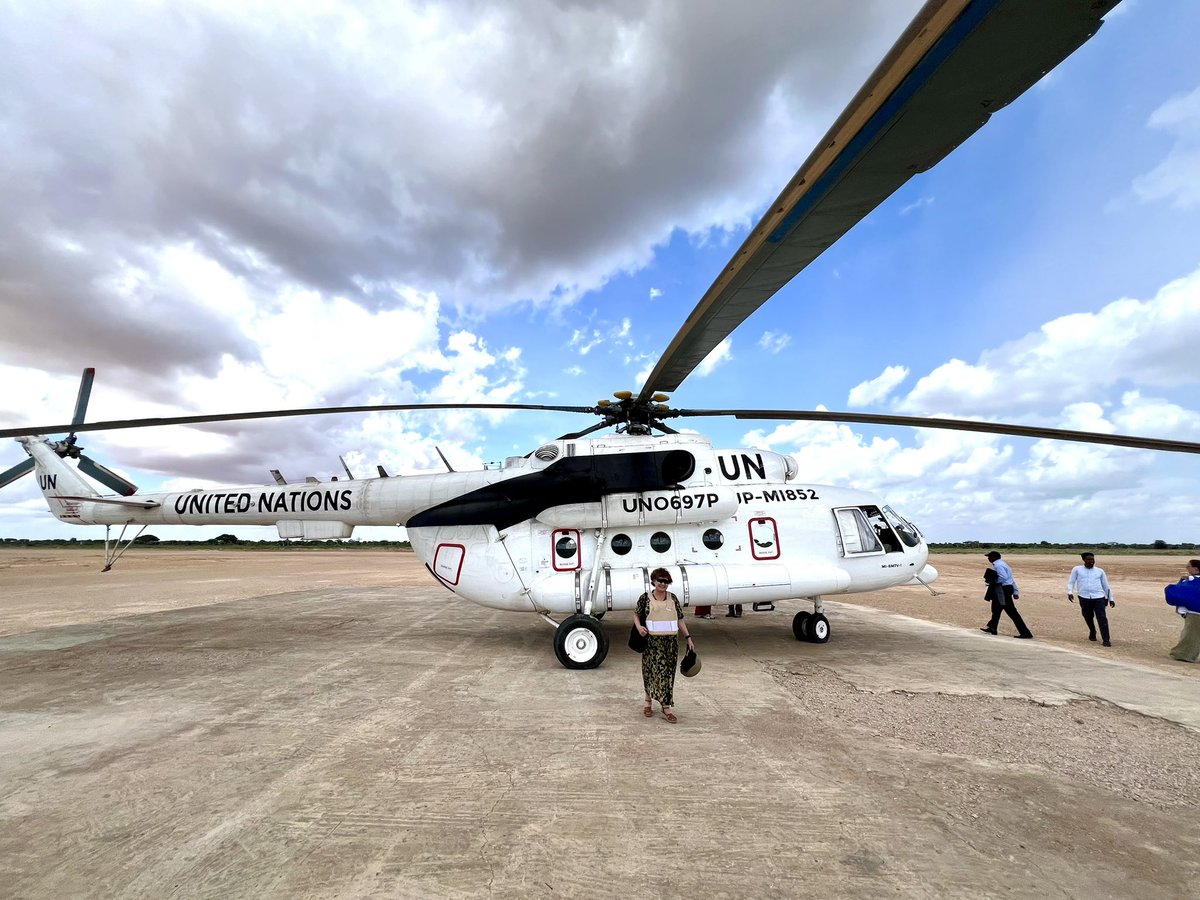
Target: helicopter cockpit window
[882, 529]
[909, 533]
[857, 534]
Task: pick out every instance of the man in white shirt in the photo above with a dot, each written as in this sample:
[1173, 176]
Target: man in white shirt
[1090, 582]
[1006, 600]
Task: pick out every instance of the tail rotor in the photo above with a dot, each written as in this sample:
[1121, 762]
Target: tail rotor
[68, 448]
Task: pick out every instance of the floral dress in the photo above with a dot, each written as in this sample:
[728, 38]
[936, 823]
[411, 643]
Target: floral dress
[660, 656]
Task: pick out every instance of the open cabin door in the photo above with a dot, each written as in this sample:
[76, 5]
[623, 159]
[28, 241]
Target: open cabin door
[857, 536]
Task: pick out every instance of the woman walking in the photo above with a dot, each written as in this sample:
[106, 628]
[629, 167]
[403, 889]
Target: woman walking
[659, 620]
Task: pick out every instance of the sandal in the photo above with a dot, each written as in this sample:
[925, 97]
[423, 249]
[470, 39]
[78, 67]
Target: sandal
[670, 716]
[647, 711]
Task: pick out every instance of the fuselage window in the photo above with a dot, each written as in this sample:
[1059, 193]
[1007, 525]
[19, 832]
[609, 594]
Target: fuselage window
[566, 547]
[660, 542]
[621, 544]
[713, 539]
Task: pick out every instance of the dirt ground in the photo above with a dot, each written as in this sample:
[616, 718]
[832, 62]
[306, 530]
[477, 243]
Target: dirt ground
[231, 723]
[1143, 626]
[43, 588]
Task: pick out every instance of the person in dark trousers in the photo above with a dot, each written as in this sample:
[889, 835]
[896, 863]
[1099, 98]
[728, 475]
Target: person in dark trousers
[1188, 648]
[1003, 593]
[1090, 582]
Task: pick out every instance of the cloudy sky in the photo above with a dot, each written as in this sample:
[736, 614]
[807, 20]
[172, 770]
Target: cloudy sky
[256, 205]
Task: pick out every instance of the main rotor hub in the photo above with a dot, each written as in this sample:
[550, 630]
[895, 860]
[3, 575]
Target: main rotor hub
[632, 415]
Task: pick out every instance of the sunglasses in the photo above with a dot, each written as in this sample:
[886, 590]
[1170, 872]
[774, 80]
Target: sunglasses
[661, 581]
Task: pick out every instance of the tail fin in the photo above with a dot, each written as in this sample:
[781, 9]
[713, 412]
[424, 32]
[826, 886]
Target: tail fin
[56, 479]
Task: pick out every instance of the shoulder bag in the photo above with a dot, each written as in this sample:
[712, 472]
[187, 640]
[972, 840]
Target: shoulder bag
[637, 640]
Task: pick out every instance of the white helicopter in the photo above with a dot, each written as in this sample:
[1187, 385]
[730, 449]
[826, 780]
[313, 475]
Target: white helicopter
[573, 529]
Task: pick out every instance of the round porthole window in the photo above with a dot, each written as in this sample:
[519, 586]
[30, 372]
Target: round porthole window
[660, 542]
[713, 539]
[566, 547]
[621, 544]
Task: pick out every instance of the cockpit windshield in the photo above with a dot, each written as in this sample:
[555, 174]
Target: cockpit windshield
[909, 533]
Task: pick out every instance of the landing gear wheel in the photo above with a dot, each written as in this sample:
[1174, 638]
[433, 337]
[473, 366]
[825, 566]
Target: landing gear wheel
[580, 642]
[818, 629]
[800, 625]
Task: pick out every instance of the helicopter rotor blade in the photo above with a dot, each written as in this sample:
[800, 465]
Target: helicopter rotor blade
[106, 476]
[950, 70]
[1057, 434]
[11, 475]
[81, 399]
[118, 424]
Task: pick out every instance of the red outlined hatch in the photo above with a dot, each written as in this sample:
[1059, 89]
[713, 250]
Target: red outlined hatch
[566, 552]
[764, 538]
[448, 562]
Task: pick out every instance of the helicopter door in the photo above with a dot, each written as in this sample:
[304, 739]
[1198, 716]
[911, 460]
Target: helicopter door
[764, 538]
[566, 549]
[856, 533]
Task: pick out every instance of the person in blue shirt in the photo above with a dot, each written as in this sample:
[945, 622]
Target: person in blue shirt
[1004, 596]
[1090, 582]
[1188, 648]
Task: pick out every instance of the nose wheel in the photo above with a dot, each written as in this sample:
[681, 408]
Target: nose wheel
[580, 642]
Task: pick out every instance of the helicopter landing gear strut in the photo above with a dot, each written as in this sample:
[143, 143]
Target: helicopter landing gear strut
[580, 641]
[115, 549]
[811, 626]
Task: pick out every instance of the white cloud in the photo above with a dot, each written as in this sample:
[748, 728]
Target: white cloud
[774, 341]
[585, 341]
[655, 293]
[1148, 342]
[1155, 415]
[719, 354]
[915, 205]
[1177, 177]
[879, 388]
